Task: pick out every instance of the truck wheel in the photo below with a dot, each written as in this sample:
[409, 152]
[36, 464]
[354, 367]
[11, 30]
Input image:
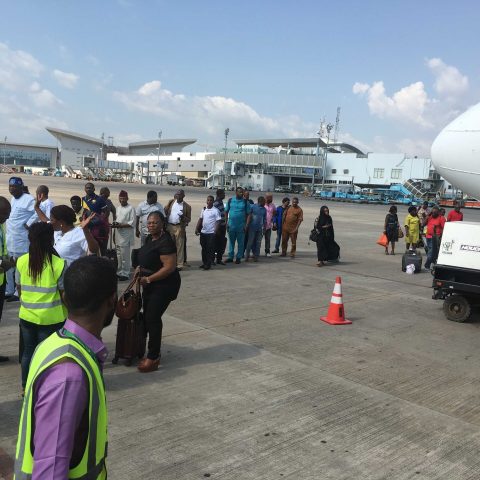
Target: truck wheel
[457, 308]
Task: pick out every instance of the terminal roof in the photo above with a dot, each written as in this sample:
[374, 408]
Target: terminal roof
[300, 142]
[57, 132]
[164, 142]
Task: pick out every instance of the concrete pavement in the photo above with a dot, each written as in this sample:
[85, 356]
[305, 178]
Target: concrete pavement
[253, 385]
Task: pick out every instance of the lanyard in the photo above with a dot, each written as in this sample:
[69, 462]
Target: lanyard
[66, 333]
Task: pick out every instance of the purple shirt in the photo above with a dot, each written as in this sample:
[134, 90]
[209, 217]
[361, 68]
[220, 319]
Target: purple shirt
[60, 401]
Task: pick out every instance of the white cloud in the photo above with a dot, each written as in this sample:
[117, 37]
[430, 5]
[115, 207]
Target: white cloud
[126, 138]
[22, 122]
[17, 68]
[42, 97]
[67, 80]
[407, 104]
[414, 146]
[210, 115]
[26, 106]
[412, 105]
[360, 88]
[449, 81]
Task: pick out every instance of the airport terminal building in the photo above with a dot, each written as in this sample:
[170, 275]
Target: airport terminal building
[257, 164]
[22, 155]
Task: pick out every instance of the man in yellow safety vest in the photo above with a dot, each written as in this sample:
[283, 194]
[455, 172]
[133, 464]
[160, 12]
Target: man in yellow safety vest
[63, 426]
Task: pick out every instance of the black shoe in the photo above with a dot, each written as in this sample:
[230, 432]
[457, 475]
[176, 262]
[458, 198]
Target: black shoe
[122, 278]
[3, 359]
[275, 251]
[229, 260]
[8, 296]
[202, 266]
[219, 262]
[13, 298]
[238, 261]
[206, 267]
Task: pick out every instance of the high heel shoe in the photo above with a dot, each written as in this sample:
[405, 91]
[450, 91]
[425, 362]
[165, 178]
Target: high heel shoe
[148, 365]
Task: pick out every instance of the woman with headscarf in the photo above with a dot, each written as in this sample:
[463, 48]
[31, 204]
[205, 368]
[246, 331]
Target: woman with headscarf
[390, 228]
[327, 249]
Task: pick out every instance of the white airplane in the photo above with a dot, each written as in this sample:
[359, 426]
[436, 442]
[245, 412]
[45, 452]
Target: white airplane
[456, 152]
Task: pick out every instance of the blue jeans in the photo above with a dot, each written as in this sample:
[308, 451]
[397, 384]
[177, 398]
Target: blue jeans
[11, 288]
[279, 239]
[32, 335]
[432, 253]
[254, 242]
[239, 237]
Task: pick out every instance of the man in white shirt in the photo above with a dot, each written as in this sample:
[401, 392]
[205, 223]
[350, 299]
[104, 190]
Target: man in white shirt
[143, 211]
[45, 204]
[178, 214]
[207, 227]
[23, 207]
[124, 235]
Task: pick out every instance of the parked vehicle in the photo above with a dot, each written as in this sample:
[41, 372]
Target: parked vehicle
[174, 179]
[456, 276]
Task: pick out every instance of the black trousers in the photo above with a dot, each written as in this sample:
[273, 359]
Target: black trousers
[207, 241]
[154, 306]
[2, 296]
[220, 243]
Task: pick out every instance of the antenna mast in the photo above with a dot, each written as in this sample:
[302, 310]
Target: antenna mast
[337, 126]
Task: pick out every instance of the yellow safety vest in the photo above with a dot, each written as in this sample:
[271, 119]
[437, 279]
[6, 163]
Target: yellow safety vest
[3, 250]
[55, 348]
[40, 301]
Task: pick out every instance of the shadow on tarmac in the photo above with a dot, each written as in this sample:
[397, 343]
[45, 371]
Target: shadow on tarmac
[175, 360]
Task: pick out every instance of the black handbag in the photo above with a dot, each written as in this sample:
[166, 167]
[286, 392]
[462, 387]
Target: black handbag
[313, 235]
[111, 252]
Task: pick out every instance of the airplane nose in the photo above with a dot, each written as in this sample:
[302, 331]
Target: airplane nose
[455, 152]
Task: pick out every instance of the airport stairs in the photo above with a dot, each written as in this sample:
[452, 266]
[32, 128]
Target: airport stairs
[414, 188]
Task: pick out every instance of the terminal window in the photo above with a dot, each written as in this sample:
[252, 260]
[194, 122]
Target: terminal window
[27, 158]
[396, 173]
[378, 172]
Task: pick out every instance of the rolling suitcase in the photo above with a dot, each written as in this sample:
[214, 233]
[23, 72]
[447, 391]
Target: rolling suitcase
[412, 257]
[131, 339]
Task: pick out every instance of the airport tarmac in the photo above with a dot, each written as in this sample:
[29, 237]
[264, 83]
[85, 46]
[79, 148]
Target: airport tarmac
[254, 385]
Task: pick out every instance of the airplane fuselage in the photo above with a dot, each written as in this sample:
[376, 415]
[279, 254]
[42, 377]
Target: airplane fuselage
[456, 152]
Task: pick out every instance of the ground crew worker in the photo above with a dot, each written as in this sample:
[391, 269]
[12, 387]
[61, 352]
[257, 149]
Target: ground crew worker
[63, 426]
[39, 278]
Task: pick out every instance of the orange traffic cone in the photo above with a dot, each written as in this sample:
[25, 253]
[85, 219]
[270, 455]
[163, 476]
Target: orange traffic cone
[336, 313]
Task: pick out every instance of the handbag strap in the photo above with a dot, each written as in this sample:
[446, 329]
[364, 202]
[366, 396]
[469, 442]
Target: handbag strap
[134, 284]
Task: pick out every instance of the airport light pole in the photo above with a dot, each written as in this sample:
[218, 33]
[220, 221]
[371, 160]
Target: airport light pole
[158, 160]
[4, 149]
[317, 162]
[227, 131]
[329, 129]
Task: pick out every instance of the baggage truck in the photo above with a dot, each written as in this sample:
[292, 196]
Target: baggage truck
[456, 276]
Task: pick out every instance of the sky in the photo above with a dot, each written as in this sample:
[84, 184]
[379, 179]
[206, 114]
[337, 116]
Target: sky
[400, 70]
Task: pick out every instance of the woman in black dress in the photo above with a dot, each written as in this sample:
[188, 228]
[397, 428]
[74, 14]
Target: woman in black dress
[160, 279]
[391, 228]
[327, 248]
